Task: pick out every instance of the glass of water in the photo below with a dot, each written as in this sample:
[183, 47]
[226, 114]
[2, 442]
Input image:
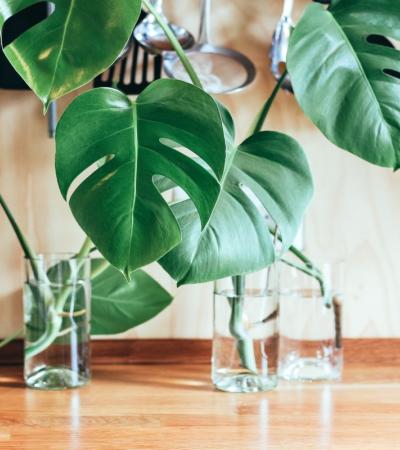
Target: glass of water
[57, 314]
[310, 307]
[245, 343]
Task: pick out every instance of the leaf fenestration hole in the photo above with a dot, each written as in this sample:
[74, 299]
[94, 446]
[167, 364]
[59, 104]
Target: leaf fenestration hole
[249, 193]
[392, 73]
[97, 165]
[270, 222]
[186, 152]
[384, 41]
[377, 39]
[25, 19]
[167, 188]
[395, 43]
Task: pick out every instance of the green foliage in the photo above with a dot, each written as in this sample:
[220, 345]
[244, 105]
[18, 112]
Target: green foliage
[118, 306]
[269, 166]
[118, 205]
[68, 49]
[347, 85]
[114, 155]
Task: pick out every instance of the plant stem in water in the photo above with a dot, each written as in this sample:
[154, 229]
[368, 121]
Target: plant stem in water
[54, 322]
[237, 328]
[245, 346]
[244, 341]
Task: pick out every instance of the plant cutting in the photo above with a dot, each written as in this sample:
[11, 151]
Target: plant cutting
[359, 40]
[276, 154]
[58, 300]
[137, 143]
[122, 308]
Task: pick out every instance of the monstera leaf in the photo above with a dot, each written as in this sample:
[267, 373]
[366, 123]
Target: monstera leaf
[118, 306]
[118, 205]
[78, 41]
[270, 167]
[346, 79]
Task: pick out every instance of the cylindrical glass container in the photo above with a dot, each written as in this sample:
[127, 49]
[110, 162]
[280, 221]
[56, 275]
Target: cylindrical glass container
[57, 329]
[310, 307]
[245, 341]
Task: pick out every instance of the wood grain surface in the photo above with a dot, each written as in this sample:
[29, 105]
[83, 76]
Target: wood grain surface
[369, 352]
[355, 214]
[169, 407]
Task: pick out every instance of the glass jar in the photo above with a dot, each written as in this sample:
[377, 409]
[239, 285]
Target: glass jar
[56, 315]
[310, 346]
[245, 341]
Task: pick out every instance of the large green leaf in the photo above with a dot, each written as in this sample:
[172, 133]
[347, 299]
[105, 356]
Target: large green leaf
[348, 85]
[77, 42]
[118, 205]
[118, 306]
[269, 166]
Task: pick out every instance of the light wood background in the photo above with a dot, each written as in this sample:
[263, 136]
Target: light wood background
[354, 214]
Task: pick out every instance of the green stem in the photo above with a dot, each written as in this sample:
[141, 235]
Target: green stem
[262, 115]
[85, 249]
[302, 257]
[308, 271]
[244, 342]
[53, 326]
[26, 248]
[175, 44]
[309, 267]
[10, 338]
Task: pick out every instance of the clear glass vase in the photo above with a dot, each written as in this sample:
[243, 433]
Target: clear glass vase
[57, 329]
[245, 341]
[310, 347]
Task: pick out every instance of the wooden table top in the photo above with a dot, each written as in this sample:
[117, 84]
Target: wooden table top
[174, 407]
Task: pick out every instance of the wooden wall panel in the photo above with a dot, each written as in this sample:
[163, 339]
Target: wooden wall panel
[354, 215]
